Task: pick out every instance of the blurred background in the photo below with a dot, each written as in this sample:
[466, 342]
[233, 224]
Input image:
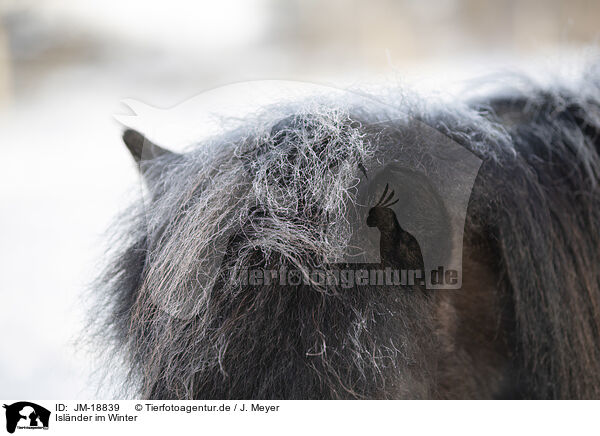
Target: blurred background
[65, 65]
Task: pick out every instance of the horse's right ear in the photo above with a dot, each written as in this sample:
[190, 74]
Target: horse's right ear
[141, 148]
[5, 406]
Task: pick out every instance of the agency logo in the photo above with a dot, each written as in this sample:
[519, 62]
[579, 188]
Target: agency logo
[26, 415]
[400, 219]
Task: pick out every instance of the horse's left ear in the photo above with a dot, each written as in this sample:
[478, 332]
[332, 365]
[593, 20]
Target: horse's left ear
[141, 148]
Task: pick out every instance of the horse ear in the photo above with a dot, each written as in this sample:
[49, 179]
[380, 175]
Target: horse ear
[141, 148]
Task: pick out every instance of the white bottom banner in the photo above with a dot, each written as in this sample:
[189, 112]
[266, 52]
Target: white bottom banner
[284, 417]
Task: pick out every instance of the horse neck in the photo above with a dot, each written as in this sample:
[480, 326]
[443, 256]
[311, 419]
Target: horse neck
[394, 231]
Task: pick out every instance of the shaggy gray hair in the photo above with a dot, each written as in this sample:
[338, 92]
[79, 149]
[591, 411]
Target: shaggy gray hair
[275, 194]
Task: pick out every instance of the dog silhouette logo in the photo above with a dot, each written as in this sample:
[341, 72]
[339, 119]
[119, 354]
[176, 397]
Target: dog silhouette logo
[26, 415]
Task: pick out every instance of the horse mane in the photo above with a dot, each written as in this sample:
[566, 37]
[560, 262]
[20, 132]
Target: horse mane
[535, 205]
[540, 205]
